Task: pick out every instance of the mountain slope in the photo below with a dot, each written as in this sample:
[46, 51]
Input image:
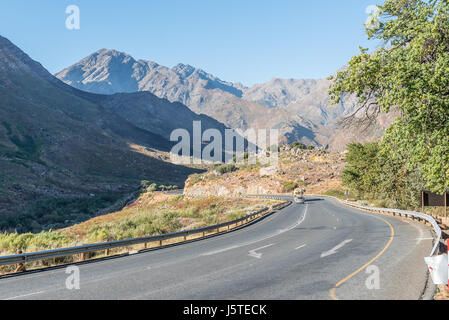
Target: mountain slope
[279, 93]
[57, 142]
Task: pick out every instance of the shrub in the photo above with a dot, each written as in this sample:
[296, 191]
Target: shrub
[297, 145]
[11, 242]
[290, 186]
[235, 215]
[226, 168]
[152, 187]
[336, 193]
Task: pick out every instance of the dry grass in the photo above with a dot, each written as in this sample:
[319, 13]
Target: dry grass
[79, 231]
[442, 293]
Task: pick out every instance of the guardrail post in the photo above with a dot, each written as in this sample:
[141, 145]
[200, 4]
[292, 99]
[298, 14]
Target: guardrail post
[20, 266]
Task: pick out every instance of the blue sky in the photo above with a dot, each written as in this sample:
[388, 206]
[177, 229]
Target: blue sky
[248, 41]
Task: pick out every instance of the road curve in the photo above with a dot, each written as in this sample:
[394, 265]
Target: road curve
[320, 250]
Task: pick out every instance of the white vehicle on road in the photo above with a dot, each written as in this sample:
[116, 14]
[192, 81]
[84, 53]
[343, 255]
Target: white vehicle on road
[300, 200]
[298, 196]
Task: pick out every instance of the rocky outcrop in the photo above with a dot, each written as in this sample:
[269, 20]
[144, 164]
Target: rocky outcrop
[315, 170]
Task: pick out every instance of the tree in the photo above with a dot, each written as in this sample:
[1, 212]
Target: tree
[362, 170]
[408, 74]
[375, 174]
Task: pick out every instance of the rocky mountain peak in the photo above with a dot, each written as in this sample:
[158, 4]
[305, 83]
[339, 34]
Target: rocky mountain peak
[183, 70]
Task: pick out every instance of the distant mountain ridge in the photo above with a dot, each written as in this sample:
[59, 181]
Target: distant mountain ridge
[299, 108]
[111, 71]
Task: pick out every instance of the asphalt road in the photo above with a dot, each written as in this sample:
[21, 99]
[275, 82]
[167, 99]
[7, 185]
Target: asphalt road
[300, 252]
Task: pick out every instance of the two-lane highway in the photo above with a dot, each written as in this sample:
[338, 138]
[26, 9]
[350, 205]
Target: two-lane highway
[319, 250]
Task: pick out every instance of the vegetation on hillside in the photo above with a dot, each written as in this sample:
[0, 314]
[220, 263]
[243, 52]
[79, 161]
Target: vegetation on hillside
[50, 213]
[289, 186]
[340, 194]
[298, 145]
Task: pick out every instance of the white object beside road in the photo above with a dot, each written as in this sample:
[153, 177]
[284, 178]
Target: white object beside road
[438, 268]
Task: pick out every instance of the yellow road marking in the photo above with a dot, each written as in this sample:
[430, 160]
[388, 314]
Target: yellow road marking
[332, 291]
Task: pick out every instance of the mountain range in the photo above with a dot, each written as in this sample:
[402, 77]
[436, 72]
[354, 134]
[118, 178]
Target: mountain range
[299, 108]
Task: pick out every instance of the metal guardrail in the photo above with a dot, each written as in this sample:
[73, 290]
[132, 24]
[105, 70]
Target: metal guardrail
[412, 214]
[407, 213]
[32, 256]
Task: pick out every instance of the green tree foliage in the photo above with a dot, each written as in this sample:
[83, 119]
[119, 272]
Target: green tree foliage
[374, 174]
[409, 75]
[362, 168]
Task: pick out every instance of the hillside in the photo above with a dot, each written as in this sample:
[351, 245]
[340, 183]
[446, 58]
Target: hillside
[318, 171]
[63, 154]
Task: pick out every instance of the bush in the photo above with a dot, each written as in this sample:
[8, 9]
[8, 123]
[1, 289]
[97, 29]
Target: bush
[298, 145]
[152, 187]
[195, 178]
[381, 203]
[11, 242]
[235, 215]
[226, 168]
[191, 212]
[336, 193]
[290, 186]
